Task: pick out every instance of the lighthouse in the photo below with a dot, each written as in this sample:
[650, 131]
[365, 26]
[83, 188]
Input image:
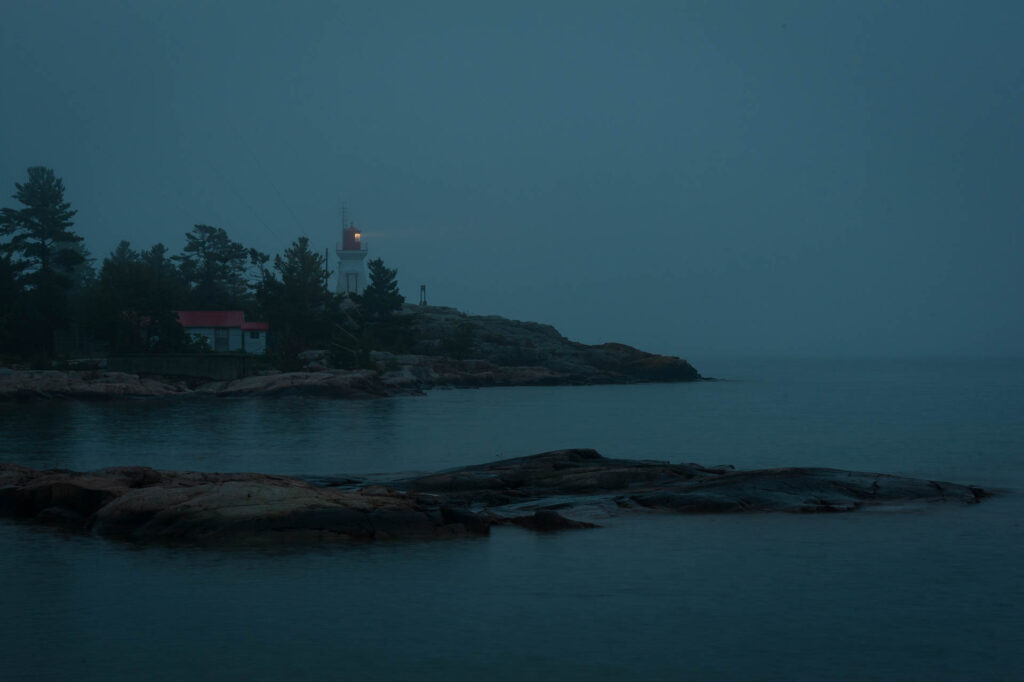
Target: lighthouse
[351, 254]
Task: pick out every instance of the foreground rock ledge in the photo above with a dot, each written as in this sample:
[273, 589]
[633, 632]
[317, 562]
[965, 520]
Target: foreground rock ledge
[549, 491]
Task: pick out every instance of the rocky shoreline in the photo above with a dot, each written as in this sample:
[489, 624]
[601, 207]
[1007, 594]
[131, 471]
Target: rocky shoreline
[396, 375]
[550, 491]
[95, 385]
[32, 385]
[495, 351]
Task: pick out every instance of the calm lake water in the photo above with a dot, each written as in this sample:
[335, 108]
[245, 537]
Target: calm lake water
[932, 594]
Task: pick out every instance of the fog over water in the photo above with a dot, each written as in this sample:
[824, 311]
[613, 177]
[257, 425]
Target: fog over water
[690, 177]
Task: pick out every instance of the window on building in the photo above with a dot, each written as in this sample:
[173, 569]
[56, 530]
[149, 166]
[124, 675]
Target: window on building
[254, 335]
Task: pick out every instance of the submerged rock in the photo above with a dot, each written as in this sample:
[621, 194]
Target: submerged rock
[550, 491]
[548, 520]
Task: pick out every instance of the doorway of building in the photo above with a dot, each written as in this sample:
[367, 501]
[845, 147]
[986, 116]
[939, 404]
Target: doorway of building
[220, 340]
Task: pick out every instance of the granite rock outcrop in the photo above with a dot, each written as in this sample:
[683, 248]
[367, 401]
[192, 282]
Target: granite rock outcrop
[24, 385]
[504, 343]
[559, 490]
[146, 505]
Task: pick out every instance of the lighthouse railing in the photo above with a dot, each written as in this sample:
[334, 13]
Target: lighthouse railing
[341, 246]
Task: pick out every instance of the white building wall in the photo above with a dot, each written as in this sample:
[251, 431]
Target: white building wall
[351, 263]
[255, 342]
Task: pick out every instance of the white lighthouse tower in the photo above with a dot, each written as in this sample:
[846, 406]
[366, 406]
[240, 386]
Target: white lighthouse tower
[351, 254]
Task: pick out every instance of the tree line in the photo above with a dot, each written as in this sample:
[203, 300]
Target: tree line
[50, 290]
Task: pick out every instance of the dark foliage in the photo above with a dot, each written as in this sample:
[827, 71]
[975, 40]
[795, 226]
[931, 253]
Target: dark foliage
[217, 269]
[296, 301]
[10, 302]
[132, 305]
[381, 299]
[352, 340]
[373, 323]
[41, 249]
[47, 284]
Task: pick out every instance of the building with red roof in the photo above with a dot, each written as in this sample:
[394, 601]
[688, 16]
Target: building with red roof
[225, 330]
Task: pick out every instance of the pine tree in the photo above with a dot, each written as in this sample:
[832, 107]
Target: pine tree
[11, 297]
[134, 298]
[45, 250]
[215, 267]
[380, 327]
[381, 297]
[297, 304]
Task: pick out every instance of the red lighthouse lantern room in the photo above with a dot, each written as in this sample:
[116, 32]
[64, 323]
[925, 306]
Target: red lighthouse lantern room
[351, 239]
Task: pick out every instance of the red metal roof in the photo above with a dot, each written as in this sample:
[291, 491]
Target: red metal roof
[218, 318]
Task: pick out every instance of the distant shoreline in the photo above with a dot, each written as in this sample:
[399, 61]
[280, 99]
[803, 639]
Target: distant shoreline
[454, 350]
[26, 386]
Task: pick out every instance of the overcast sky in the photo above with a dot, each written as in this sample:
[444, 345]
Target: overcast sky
[697, 178]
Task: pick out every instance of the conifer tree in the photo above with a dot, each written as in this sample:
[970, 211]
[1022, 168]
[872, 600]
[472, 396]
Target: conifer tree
[134, 298]
[216, 268]
[46, 252]
[297, 304]
[381, 297]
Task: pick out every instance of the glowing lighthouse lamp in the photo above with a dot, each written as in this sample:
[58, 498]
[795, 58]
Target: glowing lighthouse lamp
[351, 254]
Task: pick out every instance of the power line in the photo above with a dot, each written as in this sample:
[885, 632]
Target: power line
[248, 205]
